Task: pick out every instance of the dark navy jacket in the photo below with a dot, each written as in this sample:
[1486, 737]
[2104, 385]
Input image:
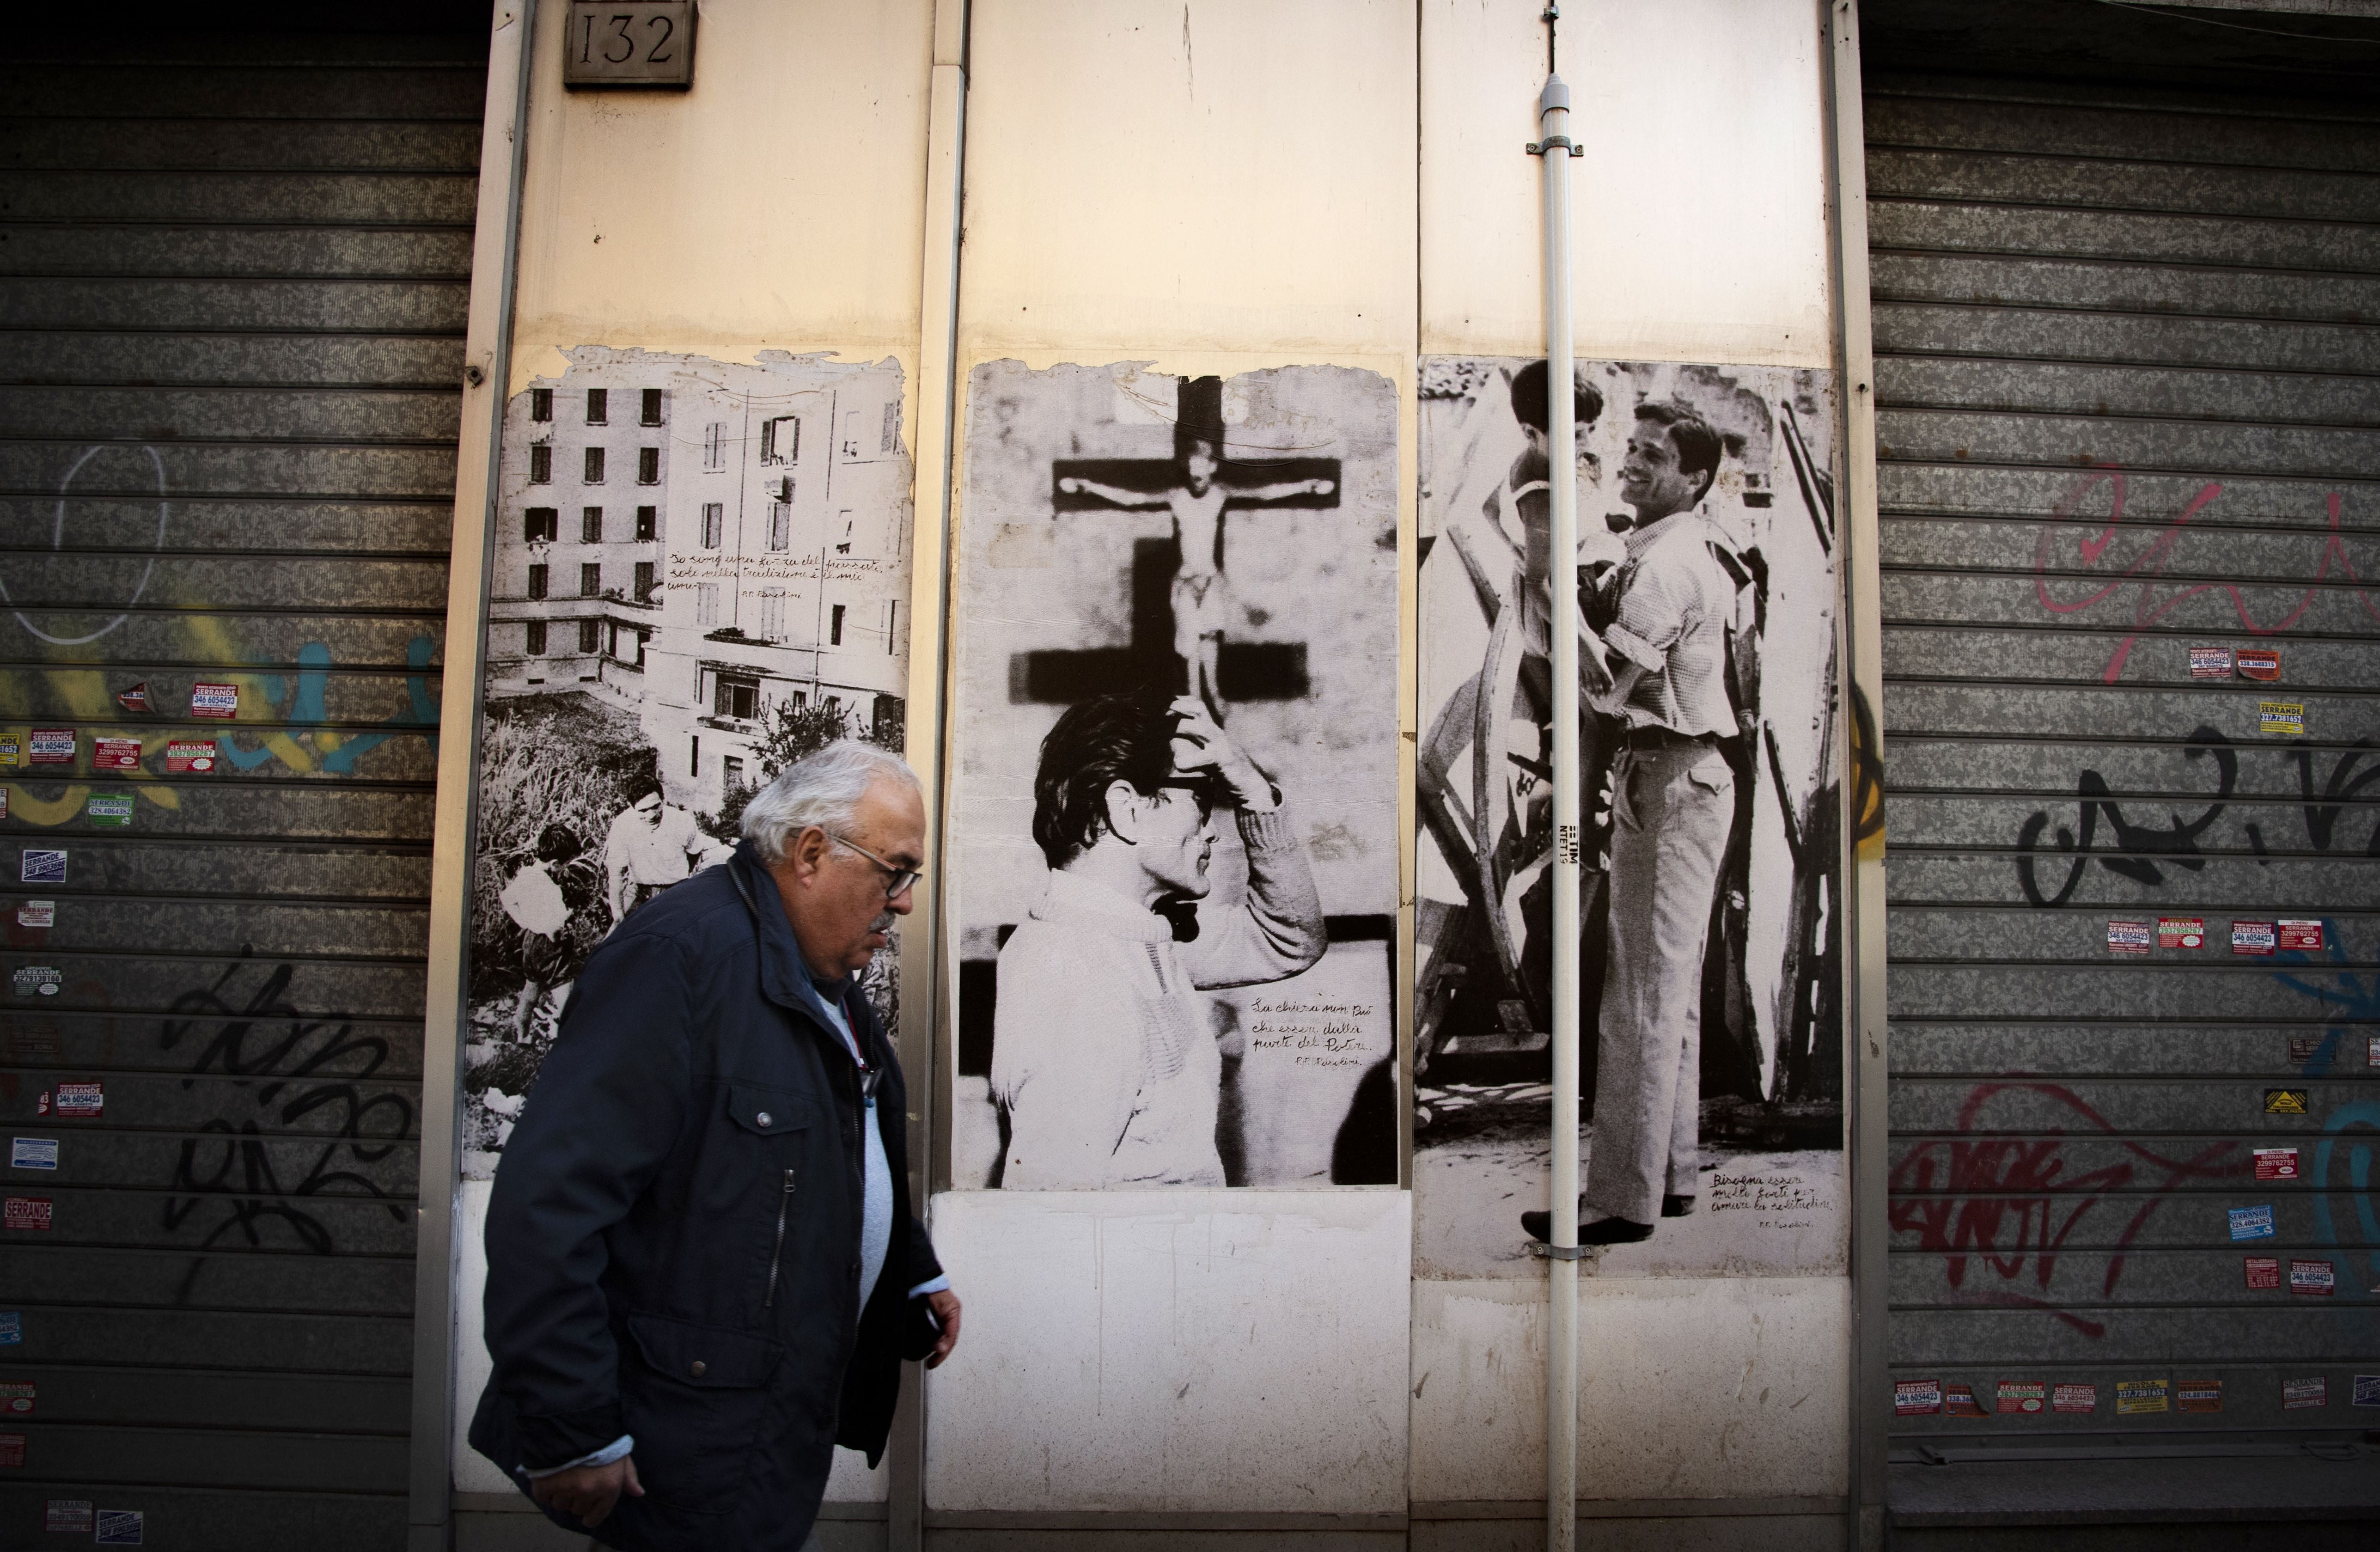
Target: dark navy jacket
[674, 1236]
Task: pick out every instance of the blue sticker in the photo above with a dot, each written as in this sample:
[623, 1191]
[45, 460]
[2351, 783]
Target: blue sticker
[2367, 1390]
[2252, 1223]
[118, 1527]
[32, 1153]
[42, 868]
[12, 1328]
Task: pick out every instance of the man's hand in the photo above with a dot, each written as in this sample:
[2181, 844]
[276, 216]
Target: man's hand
[946, 1306]
[591, 1491]
[1200, 746]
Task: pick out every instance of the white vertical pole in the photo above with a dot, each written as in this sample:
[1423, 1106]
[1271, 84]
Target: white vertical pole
[1562, 1348]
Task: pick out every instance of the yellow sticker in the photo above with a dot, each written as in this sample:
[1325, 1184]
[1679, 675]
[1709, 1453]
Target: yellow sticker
[2281, 716]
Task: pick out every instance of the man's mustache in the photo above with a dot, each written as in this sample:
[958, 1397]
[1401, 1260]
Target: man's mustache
[882, 923]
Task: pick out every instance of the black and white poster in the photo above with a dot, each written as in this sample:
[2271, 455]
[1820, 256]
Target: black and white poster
[700, 575]
[1705, 607]
[1173, 825]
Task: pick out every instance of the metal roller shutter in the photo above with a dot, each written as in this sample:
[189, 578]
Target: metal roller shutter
[233, 274]
[2127, 380]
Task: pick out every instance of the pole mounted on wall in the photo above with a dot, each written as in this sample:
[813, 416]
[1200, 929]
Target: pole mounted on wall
[1554, 151]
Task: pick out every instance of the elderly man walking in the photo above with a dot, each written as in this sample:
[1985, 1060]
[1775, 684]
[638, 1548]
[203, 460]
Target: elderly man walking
[703, 1271]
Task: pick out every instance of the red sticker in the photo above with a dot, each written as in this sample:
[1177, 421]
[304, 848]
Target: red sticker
[1916, 1398]
[85, 1099]
[214, 701]
[1959, 1400]
[2181, 932]
[2253, 937]
[2127, 937]
[12, 1450]
[25, 1212]
[2277, 1164]
[189, 754]
[2317, 1277]
[16, 1398]
[2263, 1271]
[2028, 1396]
[2259, 662]
[2300, 934]
[2074, 1397]
[134, 699]
[2296, 1393]
[2198, 1395]
[50, 746]
[115, 754]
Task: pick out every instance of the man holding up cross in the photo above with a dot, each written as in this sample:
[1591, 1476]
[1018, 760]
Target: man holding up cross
[1201, 602]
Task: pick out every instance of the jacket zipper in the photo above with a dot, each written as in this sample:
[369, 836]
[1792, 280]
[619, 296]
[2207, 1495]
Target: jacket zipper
[776, 1255]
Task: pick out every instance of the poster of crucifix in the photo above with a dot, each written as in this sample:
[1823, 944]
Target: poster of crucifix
[1174, 854]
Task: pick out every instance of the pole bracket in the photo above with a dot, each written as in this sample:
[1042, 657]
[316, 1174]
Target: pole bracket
[1538, 148]
[1544, 1252]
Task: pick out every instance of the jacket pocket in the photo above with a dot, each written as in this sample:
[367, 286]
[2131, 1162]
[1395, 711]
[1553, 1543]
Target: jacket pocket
[695, 1404]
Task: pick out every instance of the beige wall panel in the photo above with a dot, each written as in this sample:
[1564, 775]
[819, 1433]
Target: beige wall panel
[779, 204]
[1220, 175]
[1699, 206]
[1192, 1350]
[1689, 1387]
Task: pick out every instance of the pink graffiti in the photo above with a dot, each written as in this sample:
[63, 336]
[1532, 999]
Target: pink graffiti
[2148, 608]
[2002, 1201]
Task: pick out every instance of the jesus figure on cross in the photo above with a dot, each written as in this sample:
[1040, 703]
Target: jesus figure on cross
[1200, 597]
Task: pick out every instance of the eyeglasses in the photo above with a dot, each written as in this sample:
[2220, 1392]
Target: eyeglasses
[897, 879]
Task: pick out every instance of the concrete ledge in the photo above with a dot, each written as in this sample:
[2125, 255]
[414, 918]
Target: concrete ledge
[1632, 1508]
[2160, 1490]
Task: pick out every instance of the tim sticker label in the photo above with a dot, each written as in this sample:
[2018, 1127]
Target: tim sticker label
[2136, 1395]
[12, 1328]
[117, 1527]
[2303, 935]
[2273, 1164]
[2263, 1271]
[2252, 1223]
[2262, 663]
[42, 1153]
[2199, 1395]
[115, 754]
[2317, 1277]
[2074, 1399]
[2126, 937]
[2030, 1397]
[41, 866]
[2300, 1393]
[190, 754]
[1916, 1398]
[2285, 1101]
[26, 1212]
[2281, 716]
[2367, 1392]
[2181, 932]
[86, 1101]
[50, 746]
[2210, 663]
[37, 980]
[214, 701]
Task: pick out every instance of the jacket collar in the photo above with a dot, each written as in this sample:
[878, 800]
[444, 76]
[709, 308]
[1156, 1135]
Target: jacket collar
[785, 976]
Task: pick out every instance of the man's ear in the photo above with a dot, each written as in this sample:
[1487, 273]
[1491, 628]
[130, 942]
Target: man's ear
[808, 851]
[1121, 805]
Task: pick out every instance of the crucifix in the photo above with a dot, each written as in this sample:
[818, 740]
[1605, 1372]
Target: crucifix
[1181, 599]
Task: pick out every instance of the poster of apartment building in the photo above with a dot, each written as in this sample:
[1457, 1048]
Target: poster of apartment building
[700, 573]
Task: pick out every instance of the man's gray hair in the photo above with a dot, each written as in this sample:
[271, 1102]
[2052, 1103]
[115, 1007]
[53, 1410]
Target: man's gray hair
[823, 789]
